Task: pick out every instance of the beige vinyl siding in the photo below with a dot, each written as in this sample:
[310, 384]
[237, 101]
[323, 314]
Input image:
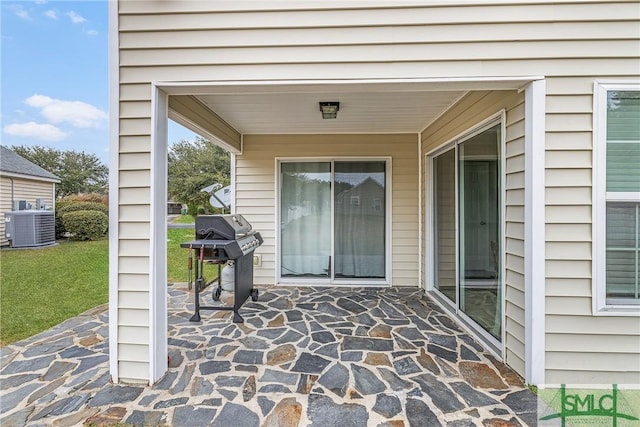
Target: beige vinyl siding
[463, 117]
[232, 42]
[580, 348]
[256, 190]
[23, 189]
[569, 42]
[134, 180]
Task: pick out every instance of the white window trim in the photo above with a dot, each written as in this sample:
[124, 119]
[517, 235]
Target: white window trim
[388, 280]
[600, 198]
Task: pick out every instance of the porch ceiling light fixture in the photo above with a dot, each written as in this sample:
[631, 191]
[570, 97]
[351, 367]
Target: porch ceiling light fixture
[329, 109]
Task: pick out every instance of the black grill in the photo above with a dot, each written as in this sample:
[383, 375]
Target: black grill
[218, 239]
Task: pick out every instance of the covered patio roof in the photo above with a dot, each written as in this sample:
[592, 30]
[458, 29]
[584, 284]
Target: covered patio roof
[224, 111]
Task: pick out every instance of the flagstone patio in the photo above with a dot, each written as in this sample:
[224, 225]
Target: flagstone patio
[304, 356]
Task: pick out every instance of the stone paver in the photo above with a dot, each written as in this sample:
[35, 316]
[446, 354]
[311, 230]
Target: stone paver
[304, 356]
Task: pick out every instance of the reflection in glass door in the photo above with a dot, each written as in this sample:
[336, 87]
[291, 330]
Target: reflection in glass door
[444, 177]
[305, 219]
[359, 220]
[333, 220]
[479, 220]
[467, 222]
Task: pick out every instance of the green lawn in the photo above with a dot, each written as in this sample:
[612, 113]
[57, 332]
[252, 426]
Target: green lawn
[183, 219]
[40, 288]
[177, 270]
[176, 256]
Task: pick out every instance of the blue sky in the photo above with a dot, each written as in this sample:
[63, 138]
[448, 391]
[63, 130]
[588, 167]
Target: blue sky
[54, 76]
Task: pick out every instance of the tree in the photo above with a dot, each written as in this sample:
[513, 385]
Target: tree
[79, 172]
[194, 165]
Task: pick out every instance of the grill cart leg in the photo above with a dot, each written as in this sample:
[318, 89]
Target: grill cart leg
[217, 291]
[199, 285]
[196, 315]
[237, 318]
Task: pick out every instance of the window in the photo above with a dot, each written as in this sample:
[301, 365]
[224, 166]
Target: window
[617, 195]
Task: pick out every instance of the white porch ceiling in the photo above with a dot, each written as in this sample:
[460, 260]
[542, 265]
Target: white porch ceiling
[360, 112]
[382, 106]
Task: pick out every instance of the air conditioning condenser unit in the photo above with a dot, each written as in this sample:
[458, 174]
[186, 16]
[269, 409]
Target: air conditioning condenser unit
[30, 228]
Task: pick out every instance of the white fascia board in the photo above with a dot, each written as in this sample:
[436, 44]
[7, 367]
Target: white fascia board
[194, 127]
[29, 177]
[363, 85]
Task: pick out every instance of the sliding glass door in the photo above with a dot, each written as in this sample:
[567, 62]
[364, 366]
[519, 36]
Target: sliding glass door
[305, 219]
[467, 228]
[444, 233]
[333, 220]
[359, 216]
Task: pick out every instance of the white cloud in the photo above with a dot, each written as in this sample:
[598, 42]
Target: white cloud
[21, 12]
[92, 32]
[75, 18]
[77, 113]
[41, 1]
[45, 132]
[51, 14]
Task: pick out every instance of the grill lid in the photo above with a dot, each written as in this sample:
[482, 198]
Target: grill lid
[222, 227]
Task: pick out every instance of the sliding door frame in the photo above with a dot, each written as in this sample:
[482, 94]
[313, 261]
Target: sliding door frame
[310, 281]
[494, 345]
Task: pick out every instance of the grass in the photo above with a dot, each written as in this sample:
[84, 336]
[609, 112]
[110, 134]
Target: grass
[183, 219]
[177, 256]
[177, 270]
[40, 288]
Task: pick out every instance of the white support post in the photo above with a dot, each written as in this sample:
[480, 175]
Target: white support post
[158, 351]
[114, 142]
[534, 223]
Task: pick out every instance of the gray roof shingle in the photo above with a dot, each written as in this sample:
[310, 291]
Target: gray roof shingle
[13, 163]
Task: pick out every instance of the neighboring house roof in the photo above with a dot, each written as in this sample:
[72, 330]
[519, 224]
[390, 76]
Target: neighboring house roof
[14, 164]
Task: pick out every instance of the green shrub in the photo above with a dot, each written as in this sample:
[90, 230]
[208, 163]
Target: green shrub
[83, 206]
[88, 197]
[86, 225]
[192, 209]
[69, 204]
[60, 230]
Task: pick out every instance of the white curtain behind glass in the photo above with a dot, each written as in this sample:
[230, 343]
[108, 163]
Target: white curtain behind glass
[359, 220]
[305, 210]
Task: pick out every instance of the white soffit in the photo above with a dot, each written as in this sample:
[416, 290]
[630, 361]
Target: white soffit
[374, 107]
[389, 112]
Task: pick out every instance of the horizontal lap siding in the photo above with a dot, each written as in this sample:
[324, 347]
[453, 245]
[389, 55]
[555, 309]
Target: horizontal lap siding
[514, 235]
[256, 190]
[217, 41]
[232, 42]
[464, 116]
[134, 235]
[581, 348]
